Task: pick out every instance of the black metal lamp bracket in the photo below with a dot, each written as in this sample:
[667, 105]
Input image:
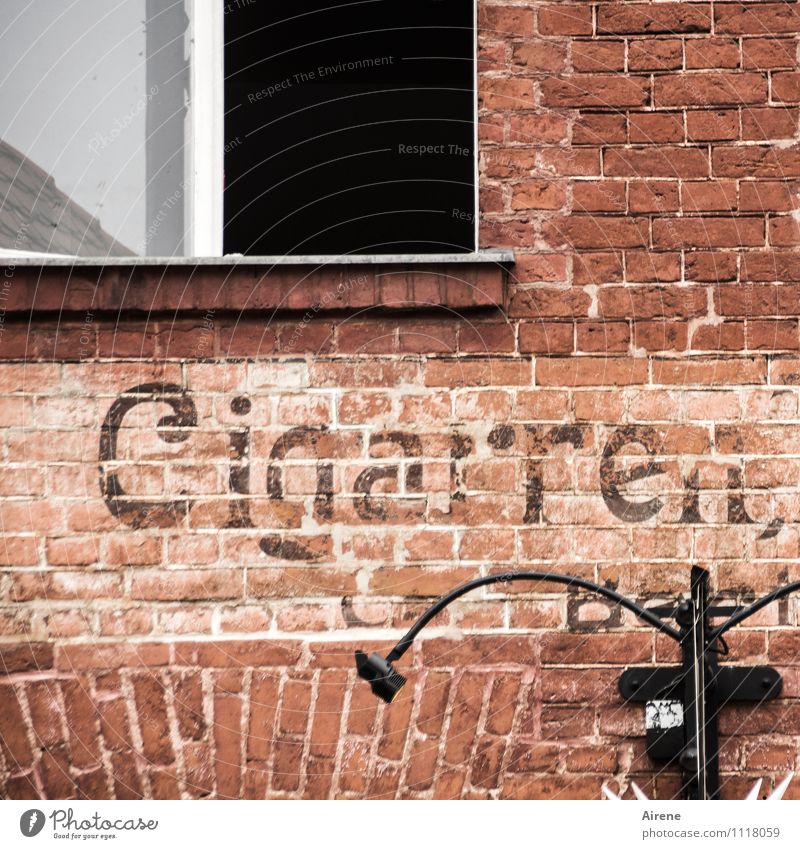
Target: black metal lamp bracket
[682, 703]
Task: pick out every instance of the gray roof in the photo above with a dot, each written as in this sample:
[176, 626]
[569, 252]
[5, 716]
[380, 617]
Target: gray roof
[36, 216]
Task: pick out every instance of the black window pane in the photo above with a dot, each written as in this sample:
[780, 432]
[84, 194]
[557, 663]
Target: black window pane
[349, 127]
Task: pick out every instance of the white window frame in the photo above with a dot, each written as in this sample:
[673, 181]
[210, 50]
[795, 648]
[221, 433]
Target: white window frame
[205, 141]
[206, 147]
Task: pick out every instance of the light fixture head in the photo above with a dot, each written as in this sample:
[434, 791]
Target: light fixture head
[384, 680]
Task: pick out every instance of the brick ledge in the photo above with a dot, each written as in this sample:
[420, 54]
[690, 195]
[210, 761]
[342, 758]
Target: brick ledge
[459, 282]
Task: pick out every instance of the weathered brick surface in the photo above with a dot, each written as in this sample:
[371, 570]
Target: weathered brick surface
[214, 478]
[514, 726]
[622, 467]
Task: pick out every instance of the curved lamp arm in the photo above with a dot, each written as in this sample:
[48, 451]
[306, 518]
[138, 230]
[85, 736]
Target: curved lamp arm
[386, 682]
[400, 649]
[754, 608]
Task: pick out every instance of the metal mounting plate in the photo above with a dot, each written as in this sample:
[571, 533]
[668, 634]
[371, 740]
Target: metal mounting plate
[733, 683]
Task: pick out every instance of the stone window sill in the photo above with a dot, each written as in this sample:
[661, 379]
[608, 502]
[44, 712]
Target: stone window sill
[259, 283]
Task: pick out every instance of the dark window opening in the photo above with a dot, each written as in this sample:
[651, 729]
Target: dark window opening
[349, 127]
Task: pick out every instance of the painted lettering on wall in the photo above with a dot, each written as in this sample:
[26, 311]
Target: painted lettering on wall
[387, 472]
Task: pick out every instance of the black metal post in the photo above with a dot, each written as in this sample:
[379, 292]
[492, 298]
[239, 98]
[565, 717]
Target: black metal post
[699, 759]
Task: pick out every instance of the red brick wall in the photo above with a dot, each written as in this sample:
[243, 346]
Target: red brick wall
[624, 405]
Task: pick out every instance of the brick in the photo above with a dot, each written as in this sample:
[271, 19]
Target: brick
[542, 337]
[647, 267]
[538, 194]
[599, 196]
[539, 56]
[22, 787]
[660, 162]
[13, 737]
[289, 582]
[422, 765]
[766, 196]
[536, 127]
[491, 57]
[595, 371]
[506, 20]
[653, 196]
[708, 232]
[510, 163]
[786, 86]
[498, 93]
[596, 648]
[655, 54]
[187, 585]
[114, 724]
[589, 232]
[133, 550]
[758, 299]
[18, 551]
[227, 734]
[570, 162]
[714, 266]
[295, 707]
[354, 766]
[566, 686]
[768, 53]
[599, 336]
[740, 370]
[92, 785]
[769, 123]
[598, 56]
[111, 656]
[483, 405]
[712, 53]
[487, 337]
[486, 767]
[660, 335]
[45, 713]
[710, 89]
[769, 266]
[762, 334]
[596, 268]
[81, 716]
[188, 704]
[652, 128]
[427, 337]
[756, 18]
[783, 231]
[565, 20]
[500, 233]
[392, 742]
[465, 372]
[415, 581]
[597, 128]
[754, 161]
[327, 715]
[463, 725]
[54, 768]
[719, 195]
[648, 302]
[153, 722]
[25, 657]
[597, 90]
[713, 125]
[237, 653]
[728, 336]
[646, 18]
